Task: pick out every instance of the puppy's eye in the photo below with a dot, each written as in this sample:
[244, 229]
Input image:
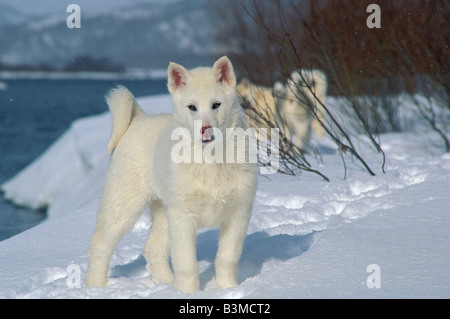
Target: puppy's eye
[192, 107]
[216, 105]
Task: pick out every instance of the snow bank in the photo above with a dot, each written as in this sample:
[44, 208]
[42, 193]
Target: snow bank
[365, 237]
[70, 165]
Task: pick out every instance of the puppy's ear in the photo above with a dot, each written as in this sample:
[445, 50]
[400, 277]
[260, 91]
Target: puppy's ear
[177, 77]
[223, 72]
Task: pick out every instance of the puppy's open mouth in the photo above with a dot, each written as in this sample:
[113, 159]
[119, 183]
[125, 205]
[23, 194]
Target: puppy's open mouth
[207, 134]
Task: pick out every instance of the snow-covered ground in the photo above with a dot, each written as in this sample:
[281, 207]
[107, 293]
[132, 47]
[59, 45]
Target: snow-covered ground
[386, 236]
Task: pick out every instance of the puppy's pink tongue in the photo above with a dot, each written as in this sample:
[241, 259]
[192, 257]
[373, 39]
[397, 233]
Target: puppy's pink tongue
[207, 133]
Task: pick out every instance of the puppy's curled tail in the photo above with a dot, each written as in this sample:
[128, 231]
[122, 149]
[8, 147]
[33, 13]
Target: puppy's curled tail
[124, 108]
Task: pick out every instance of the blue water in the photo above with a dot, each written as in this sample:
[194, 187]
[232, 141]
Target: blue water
[33, 114]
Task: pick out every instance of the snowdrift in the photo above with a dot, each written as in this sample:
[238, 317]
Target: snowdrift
[364, 237]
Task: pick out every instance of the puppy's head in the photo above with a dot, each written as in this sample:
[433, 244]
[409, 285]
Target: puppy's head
[204, 94]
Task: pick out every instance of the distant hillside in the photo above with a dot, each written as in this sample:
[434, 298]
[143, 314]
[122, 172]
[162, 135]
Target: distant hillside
[9, 15]
[146, 35]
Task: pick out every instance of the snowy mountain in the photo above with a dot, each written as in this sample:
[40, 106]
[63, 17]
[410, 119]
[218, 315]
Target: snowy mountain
[144, 35]
[9, 15]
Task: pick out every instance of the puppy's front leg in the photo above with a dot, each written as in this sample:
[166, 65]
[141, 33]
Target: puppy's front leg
[232, 235]
[182, 238]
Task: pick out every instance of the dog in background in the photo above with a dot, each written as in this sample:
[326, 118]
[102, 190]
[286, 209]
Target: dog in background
[291, 107]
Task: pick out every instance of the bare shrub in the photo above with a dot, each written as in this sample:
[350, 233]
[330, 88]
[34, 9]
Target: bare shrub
[366, 68]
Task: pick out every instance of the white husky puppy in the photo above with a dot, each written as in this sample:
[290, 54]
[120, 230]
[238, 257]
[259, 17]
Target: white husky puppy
[182, 196]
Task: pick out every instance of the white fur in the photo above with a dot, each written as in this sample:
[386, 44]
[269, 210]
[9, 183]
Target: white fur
[182, 197]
